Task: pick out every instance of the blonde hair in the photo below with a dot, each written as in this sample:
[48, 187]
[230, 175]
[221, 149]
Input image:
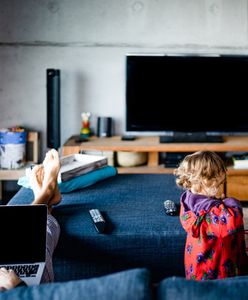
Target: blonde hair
[202, 172]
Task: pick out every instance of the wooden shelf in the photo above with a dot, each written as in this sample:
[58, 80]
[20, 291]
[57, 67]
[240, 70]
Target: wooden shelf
[152, 144]
[15, 174]
[237, 179]
[145, 170]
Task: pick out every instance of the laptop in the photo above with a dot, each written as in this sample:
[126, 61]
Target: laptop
[23, 240]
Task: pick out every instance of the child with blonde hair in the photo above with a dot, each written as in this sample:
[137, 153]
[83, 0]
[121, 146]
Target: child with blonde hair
[215, 245]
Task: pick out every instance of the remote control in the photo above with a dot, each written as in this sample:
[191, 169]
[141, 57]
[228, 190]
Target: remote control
[98, 220]
[128, 138]
[170, 207]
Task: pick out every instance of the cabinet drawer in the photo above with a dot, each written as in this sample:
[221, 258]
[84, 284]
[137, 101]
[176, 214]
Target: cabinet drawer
[237, 186]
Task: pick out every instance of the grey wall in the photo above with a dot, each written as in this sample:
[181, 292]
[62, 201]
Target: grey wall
[88, 39]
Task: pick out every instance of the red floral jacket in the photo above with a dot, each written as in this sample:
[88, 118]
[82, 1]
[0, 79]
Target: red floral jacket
[215, 245]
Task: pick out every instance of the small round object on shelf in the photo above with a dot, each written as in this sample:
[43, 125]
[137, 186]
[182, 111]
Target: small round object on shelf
[131, 159]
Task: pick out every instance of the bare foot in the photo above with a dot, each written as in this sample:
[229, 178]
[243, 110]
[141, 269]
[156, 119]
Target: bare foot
[41, 194]
[36, 178]
[56, 197]
[51, 165]
[44, 180]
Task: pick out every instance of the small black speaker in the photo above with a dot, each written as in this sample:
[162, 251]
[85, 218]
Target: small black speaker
[104, 127]
[53, 108]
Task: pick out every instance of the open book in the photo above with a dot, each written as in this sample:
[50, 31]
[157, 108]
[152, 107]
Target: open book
[78, 164]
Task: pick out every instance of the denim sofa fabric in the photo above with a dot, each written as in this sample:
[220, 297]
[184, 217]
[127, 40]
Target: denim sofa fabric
[223, 289]
[139, 233]
[128, 285]
[133, 284]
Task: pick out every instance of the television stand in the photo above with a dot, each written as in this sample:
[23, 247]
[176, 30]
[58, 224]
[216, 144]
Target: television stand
[237, 179]
[180, 137]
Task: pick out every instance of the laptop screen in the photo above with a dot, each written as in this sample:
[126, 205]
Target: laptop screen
[23, 233]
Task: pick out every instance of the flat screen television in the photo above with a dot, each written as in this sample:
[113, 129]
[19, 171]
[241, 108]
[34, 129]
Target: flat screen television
[186, 97]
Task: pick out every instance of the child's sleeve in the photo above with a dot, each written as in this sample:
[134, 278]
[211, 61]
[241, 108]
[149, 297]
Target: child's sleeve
[187, 219]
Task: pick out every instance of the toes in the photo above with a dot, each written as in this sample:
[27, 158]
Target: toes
[47, 158]
[52, 156]
[55, 154]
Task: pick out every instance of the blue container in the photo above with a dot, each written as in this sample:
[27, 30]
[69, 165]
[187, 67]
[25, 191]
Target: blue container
[11, 137]
[12, 149]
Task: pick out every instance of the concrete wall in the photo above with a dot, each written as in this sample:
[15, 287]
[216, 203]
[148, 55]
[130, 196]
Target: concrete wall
[88, 39]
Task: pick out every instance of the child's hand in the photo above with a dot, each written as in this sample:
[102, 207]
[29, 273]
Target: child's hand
[223, 196]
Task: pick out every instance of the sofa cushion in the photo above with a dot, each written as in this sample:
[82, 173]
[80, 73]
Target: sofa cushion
[183, 289]
[132, 284]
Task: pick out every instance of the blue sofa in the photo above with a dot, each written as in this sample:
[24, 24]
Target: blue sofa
[140, 256]
[139, 234]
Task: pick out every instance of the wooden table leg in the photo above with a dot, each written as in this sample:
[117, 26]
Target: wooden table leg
[152, 159]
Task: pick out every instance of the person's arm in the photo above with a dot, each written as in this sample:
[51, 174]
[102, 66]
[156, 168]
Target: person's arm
[187, 219]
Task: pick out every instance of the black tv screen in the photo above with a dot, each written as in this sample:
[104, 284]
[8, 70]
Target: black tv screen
[187, 94]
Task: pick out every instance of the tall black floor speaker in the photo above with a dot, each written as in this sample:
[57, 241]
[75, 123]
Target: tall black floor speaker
[53, 108]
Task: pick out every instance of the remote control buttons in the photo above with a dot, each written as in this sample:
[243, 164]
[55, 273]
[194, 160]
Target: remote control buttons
[98, 220]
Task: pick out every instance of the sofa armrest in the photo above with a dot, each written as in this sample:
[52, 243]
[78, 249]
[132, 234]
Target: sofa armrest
[180, 288]
[132, 284]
